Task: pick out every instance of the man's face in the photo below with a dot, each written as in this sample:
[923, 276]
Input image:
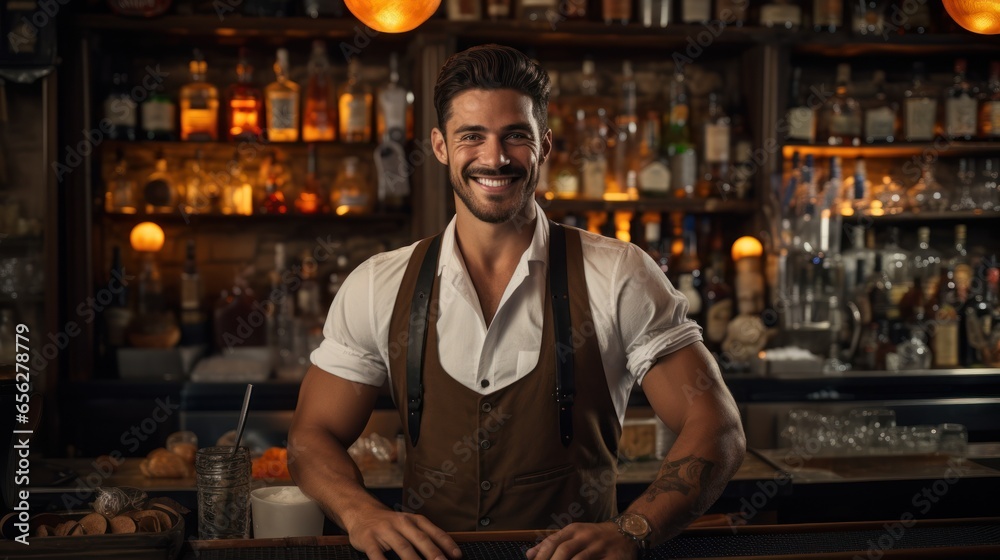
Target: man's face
[493, 147]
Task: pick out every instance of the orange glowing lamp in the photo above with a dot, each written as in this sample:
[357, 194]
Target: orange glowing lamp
[978, 16]
[392, 16]
[146, 237]
[747, 246]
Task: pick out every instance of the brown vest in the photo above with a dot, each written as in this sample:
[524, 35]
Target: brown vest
[496, 462]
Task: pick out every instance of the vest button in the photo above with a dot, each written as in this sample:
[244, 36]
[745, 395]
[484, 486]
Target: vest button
[485, 444]
[485, 485]
[487, 407]
[484, 521]
[484, 383]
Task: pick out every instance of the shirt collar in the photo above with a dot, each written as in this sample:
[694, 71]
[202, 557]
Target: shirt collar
[537, 251]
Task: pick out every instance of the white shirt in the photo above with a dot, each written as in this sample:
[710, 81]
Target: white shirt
[639, 316]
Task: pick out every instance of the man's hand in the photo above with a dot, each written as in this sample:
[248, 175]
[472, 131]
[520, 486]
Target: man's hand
[410, 536]
[585, 541]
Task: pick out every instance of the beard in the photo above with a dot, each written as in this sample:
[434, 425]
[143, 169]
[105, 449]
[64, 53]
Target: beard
[494, 208]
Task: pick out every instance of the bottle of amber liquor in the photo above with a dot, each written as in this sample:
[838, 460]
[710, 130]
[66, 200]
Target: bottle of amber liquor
[355, 106]
[282, 100]
[244, 103]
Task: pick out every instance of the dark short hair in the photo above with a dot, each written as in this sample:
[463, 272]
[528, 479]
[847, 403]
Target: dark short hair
[492, 67]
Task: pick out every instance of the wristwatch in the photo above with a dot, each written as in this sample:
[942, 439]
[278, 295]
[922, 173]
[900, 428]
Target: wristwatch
[636, 527]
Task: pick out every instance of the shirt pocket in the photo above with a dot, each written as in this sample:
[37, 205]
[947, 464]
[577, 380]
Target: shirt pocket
[526, 361]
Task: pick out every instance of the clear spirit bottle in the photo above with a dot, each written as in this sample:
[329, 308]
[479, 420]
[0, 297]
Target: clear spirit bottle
[395, 107]
[801, 117]
[121, 194]
[282, 103]
[919, 107]
[960, 106]
[355, 105]
[199, 104]
[840, 122]
[880, 113]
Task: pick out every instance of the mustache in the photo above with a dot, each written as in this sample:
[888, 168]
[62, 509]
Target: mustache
[507, 170]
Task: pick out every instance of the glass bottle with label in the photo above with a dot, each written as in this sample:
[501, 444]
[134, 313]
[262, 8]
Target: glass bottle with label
[395, 107]
[616, 11]
[801, 117]
[718, 302]
[274, 196]
[120, 109]
[859, 264]
[677, 137]
[538, 10]
[654, 173]
[716, 140]
[159, 117]
[121, 194]
[959, 264]
[310, 199]
[237, 195]
[781, 13]
[199, 105]
[925, 262]
[828, 15]
[919, 107]
[350, 193]
[944, 338]
[896, 262]
[465, 10]
[840, 121]
[624, 139]
[654, 13]
[200, 192]
[320, 115]
[695, 11]
[960, 106]
[194, 320]
[282, 103]
[564, 179]
[245, 103]
[591, 131]
[159, 190]
[966, 175]
[989, 107]
[689, 270]
[355, 105]
[880, 113]
[858, 189]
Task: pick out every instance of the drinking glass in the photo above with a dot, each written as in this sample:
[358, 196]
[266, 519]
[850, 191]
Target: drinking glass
[954, 439]
[223, 480]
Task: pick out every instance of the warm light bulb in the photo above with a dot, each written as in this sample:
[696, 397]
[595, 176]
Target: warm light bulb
[747, 246]
[392, 16]
[147, 237]
[978, 16]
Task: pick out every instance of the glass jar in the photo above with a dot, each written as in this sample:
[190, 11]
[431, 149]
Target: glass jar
[223, 493]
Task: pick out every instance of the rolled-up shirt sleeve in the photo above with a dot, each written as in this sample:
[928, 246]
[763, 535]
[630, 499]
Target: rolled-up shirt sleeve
[349, 349]
[651, 313]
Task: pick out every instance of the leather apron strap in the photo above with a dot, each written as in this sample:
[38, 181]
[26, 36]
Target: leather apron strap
[559, 288]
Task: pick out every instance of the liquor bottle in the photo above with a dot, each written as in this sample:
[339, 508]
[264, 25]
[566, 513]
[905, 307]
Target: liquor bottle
[538, 10]
[869, 17]
[194, 323]
[966, 175]
[120, 109]
[591, 130]
[801, 117]
[718, 301]
[159, 117]
[654, 173]
[919, 107]
[989, 108]
[859, 264]
[234, 308]
[677, 137]
[200, 191]
[282, 103]
[695, 11]
[972, 339]
[244, 104]
[310, 309]
[732, 12]
[273, 181]
[355, 104]
[121, 194]
[564, 177]
[310, 198]
[616, 11]
[498, 9]
[828, 15]
[926, 262]
[781, 13]
[558, 115]
[281, 327]
[944, 338]
[655, 13]
[840, 121]
[465, 10]
[237, 195]
[395, 107]
[159, 190]
[960, 106]
[199, 105]
[689, 270]
[320, 115]
[880, 113]
[896, 263]
[911, 17]
[743, 168]
[350, 192]
[990, 189]
[927, 195]
[716, 143]
[623, 141]
[960, 265]
[858, 187]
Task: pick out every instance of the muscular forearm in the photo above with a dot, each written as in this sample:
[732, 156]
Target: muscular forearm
[705, 456]
[321, 466]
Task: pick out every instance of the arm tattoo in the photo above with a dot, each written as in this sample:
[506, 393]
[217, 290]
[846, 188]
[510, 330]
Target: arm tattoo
[682, 475]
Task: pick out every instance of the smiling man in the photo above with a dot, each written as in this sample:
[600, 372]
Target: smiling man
[510, 344]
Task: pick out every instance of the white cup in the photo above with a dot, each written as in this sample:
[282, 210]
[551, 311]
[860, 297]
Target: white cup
[284, 511]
